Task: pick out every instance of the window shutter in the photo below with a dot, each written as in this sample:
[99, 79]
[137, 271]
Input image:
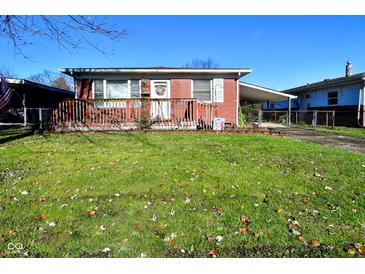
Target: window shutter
[218, 90]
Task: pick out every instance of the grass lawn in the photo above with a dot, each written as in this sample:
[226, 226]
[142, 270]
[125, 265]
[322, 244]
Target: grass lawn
[179, 195]
[345, 131]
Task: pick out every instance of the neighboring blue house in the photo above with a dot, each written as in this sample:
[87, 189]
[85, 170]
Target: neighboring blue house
[345, 95]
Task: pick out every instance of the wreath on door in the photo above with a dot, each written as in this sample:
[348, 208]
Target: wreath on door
[160, 90]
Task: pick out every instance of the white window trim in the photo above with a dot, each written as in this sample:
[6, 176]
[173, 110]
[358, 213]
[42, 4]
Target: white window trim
[215, 93]
[104, 87]
[211, 89]
[163, 80]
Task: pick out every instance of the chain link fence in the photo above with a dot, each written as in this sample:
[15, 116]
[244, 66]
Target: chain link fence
[39, 117]
[311, 118]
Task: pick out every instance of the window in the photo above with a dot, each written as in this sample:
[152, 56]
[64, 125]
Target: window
[116, 89]
[201, 90]
[98, 89]
[135, 90]
[272, 105]
[332, 98]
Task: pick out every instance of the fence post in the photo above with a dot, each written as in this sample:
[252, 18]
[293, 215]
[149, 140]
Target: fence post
[40, 117]
[333, 118]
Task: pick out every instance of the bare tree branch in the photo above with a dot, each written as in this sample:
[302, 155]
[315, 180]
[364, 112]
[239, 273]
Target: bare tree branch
[69, 32]
[202, 63]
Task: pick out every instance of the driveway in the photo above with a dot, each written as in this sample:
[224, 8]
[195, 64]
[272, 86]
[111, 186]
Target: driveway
[329, 139]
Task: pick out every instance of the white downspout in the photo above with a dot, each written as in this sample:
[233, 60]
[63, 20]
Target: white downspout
[237, 98]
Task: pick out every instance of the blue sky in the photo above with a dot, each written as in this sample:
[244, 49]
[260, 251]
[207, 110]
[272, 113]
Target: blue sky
[283, 51]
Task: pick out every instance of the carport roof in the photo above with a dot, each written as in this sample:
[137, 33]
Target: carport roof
[256, 94]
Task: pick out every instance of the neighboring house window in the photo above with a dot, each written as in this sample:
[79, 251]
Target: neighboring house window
[202, 90]
[332, 98]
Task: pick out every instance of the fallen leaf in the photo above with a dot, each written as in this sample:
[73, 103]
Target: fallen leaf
[316, 174]
[301, 238]
[361, 251]
[350, 251]
[52, 224]
[217, 210]
[9, 233]
[4, 254]
[243, 229]
[42, 199]
[279, 210]
[315, 243]
[41, 216]
[213, 252]
[106, 250]
[219, 238]
[305, 201]
[210, 239]
[245, 220]
[91, 213]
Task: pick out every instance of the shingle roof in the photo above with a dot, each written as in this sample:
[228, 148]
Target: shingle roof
[359, 77]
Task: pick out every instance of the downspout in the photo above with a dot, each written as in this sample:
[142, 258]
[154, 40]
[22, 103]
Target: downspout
[361, 102]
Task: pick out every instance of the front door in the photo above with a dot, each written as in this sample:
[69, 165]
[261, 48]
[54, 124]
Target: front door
[160, 109]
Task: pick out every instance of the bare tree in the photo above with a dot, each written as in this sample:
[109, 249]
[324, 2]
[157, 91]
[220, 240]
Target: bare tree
[202, 63]
[69, 32]
[52, 79]
[61, 82]
[6, 72]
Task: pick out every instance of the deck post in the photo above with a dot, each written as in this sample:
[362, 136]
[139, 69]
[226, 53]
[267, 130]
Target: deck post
[289, 112]
[40, 117]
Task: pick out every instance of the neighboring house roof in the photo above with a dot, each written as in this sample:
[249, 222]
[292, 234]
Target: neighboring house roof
[257, 94]
[328, 83]
[156, 70]
[14, 82]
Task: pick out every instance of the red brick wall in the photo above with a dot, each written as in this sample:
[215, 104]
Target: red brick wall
[84, 89]
[180, 88]
[228, 108]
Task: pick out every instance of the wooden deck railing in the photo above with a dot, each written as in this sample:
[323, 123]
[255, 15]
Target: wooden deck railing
[108, 114]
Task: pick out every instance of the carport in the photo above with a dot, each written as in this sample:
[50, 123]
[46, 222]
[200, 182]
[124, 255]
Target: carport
[256, 94]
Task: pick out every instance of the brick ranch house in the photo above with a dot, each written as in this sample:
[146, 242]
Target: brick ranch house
[173, 98]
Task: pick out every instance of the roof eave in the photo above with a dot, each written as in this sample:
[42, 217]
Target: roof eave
[78, 72]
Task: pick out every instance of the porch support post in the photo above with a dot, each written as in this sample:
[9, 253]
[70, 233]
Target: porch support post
[289, 112]
[25, 111]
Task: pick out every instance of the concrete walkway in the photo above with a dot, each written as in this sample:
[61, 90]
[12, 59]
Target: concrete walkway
[329, 139]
